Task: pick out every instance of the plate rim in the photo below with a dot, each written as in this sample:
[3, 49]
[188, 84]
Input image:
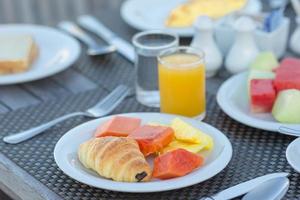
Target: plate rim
[16, 80]
[226, 154]
[242, 118]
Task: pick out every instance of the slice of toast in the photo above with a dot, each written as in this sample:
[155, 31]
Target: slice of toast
[17, 53]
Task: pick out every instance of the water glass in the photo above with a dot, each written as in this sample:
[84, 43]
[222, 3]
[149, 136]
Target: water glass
[148, 45]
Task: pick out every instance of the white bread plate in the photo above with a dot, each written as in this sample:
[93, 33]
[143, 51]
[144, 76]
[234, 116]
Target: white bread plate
[56, 52]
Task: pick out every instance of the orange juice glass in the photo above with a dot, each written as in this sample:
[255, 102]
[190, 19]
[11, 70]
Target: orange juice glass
[181, 74]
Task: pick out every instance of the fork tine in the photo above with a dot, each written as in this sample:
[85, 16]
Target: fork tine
[109, 102]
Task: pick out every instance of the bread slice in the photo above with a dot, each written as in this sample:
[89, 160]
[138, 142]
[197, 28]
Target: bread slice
[17, 53]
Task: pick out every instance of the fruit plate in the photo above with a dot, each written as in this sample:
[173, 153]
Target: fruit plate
[57, 52]
[65, 154]
[233, 99]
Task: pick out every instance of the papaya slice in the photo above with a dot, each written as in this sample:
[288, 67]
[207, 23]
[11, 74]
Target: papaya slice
[119, 126]
[152, 139]
[175, 164]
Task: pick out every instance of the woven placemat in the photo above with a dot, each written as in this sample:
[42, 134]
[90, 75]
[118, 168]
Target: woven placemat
[107, 71]
[256, 152]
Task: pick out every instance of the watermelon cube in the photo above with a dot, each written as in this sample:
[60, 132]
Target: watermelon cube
[262, 95]
[290, 63]
[265, 61]
[288, 75]
[259, 74]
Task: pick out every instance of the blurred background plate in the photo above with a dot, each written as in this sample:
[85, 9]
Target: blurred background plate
[147, 15]
[57, 52]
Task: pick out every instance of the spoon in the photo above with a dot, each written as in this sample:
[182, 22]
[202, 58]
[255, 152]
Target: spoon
[293, 154]
[94, 49]
[274, 189]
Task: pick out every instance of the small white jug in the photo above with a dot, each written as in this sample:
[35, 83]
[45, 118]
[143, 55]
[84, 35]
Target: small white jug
[244, 50]
[204, 40]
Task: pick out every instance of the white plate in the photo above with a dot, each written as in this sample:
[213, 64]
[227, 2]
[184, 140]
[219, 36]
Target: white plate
[57, 51]
[65, 154]
[233, 99]
[293, 154]
[151, 14]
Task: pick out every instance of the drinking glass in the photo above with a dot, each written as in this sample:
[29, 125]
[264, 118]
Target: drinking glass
[148, 45]
[182, 81]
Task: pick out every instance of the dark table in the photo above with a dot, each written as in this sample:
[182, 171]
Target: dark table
[28, 171]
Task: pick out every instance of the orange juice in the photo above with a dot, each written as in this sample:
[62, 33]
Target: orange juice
[182, 84]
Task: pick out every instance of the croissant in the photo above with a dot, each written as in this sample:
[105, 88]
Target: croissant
[118, 158]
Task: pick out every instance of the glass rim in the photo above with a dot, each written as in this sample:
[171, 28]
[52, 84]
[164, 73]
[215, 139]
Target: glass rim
[170, 51]
[152, 32]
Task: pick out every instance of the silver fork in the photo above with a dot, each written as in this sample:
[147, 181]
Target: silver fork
[104, 107]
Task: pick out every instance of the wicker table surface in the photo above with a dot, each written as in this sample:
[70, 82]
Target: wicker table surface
[28, 171]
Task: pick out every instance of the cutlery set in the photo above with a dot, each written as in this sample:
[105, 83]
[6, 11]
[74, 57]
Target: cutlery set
[268, 187]
[93, 25]
[94, 49]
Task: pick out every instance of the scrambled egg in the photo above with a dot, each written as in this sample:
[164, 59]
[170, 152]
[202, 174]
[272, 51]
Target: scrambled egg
[185, 14]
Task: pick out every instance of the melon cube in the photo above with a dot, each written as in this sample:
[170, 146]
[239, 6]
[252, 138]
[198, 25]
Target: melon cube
[288, 75]
[286, 108]
[265, 61]
[262, 95]
[258, 74]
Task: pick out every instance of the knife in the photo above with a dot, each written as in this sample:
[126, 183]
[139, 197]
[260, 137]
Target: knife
[244, 187]
[94, 25]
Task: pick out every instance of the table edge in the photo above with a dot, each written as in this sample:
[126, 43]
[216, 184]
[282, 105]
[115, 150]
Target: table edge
[20, 184]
